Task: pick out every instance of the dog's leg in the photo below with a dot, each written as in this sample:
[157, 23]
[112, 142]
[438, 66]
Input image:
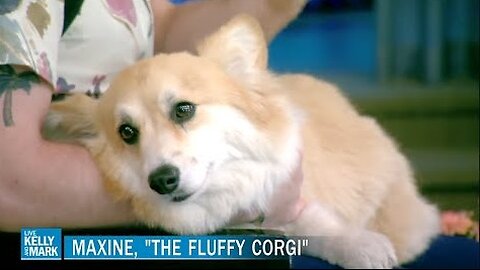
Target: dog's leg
[330, 238]
[408, 220]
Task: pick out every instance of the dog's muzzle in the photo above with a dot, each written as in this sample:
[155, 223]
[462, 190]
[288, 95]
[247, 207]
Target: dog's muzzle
[164, 179]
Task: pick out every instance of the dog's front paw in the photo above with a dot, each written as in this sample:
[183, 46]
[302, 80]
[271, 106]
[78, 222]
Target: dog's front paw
[364, 249]
[369, 250]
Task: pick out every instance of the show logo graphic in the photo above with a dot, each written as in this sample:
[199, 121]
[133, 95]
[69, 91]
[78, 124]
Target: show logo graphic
[41, 244]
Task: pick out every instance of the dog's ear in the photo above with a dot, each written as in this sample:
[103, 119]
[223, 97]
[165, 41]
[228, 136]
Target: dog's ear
[239, 46]
[71, 120]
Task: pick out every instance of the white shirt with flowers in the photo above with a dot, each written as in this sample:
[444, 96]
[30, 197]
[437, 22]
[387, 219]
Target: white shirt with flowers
[105, 37]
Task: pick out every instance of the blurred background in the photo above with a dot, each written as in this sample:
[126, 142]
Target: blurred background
[412, 64]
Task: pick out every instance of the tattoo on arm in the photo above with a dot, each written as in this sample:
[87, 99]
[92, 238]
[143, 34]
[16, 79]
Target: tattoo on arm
[10, 81]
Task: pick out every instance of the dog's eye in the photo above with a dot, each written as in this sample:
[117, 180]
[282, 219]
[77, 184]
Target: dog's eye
[128, 133]
[182, 112]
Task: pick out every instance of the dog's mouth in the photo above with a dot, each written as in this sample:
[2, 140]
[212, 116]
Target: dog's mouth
[181, 197]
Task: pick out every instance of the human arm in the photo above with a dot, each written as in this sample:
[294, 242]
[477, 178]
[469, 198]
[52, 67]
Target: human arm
[181, 27]
[44, 183]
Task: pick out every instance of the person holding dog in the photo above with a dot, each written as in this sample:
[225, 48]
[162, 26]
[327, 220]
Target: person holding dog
[70, 46]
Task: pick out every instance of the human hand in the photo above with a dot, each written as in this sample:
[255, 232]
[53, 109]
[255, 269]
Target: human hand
[285, 204]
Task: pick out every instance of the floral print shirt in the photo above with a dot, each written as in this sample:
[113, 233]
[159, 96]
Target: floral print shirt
[105, 37]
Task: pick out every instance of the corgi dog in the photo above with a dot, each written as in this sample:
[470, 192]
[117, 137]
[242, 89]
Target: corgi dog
[196, 141]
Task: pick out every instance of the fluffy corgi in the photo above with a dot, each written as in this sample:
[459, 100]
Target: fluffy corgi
[197, 141]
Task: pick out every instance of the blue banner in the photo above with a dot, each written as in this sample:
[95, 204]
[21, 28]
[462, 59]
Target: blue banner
[46, 244]
[180, 247]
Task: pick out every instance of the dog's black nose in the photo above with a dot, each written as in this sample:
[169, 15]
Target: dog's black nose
[164, 179]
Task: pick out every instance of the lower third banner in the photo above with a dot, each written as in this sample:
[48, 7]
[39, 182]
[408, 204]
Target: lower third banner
[180, 247]
[46, 244]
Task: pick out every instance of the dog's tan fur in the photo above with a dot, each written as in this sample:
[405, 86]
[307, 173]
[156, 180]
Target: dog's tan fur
[360, 190]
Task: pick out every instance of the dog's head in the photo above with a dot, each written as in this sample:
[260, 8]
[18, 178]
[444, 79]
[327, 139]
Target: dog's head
[193, 139]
